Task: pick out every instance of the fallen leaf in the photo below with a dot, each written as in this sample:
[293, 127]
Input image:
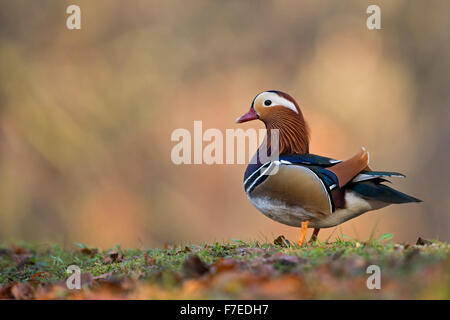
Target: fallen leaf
[185, 250]
[103, 276]
[42, 274]
[282, 241]
[22, 291]
[423, 242]
[193, 266]
[86, 279]
[149, 261]
[110, 283]
[89, 251]
[167, 246]
[224, 264]
[112, 257]
[285, 287]
[5, 292]
[19, 250]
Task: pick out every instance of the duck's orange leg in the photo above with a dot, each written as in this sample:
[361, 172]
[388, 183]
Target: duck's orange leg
[301, 238]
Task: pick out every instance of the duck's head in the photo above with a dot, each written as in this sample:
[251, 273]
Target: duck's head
[278, 110]
[269, 105]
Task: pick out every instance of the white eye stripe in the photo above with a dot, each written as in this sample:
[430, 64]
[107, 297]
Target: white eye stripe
[276, 101]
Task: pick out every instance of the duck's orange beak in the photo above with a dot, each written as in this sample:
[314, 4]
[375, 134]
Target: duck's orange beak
[250, 115]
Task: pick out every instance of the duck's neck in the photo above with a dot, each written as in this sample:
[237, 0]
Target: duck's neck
[292, 131]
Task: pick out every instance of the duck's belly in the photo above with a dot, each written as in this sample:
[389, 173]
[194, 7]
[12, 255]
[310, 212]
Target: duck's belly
[282, 212]
[294, 215]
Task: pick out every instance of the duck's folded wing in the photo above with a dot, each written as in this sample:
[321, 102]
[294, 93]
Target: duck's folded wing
[309, 159]
[325, 162]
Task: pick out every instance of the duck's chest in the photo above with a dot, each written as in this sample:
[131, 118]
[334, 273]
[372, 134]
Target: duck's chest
[289, 194]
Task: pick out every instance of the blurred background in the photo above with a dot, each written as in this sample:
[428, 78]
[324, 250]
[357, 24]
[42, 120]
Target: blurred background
[86, 115]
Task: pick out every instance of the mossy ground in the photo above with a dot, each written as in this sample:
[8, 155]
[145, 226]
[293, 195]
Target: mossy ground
[237, 269]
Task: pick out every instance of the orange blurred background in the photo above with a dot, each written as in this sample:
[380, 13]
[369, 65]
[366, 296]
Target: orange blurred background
[86, 115]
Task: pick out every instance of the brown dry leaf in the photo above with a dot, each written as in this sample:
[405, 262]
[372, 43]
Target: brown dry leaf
[247, 285]
[111, 286]
[107, 259]
[149, 261]
[103, 276]
[112, 257]
[89, 251]
[282, 241]
[22, 291]
[42, 274]
[5, 292]
[193, 266]
[105, 286]
[224, 264]
[185, 250]
[86, 279]
[168, 246]
[285, 287]
[57, 290]
[423, 242]
[19, 250]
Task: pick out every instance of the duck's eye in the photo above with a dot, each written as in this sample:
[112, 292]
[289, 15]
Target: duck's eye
[267, 103]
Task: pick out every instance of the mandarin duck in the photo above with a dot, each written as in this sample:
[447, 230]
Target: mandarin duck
[305, 190]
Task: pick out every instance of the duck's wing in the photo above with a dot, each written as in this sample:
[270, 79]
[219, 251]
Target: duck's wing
[348, 169]
[374, 175]
[309, 159]
[325, 162]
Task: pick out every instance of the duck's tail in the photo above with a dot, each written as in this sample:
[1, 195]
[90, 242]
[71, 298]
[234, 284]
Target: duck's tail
[381, 192]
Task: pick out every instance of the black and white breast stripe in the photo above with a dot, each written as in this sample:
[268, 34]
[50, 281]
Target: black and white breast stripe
[261, 174]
